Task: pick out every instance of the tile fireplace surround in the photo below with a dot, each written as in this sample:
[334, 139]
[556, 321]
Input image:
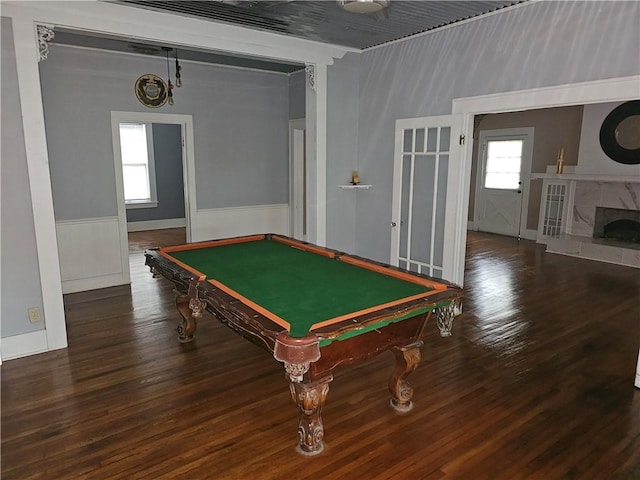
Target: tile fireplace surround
[568, 211]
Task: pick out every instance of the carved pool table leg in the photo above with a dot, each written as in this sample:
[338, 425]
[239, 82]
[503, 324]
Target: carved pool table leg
[444, 318]
[407, 359]
[310, 398]
[190, 308]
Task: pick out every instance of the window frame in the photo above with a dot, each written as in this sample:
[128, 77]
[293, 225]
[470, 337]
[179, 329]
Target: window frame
[485, 161]
[152, 202]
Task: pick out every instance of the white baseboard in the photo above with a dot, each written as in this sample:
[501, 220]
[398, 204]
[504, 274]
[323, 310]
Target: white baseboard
[156, 224]
[527, 234]
[18, 346]
[236, 221]
[93, 283]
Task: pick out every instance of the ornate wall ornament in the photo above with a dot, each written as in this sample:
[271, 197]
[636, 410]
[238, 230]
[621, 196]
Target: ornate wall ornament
[45, 35]
[151, 90]
[620, 133]
[311, 76]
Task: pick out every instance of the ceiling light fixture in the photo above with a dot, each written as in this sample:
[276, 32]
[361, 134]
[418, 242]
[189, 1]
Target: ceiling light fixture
[363, 6]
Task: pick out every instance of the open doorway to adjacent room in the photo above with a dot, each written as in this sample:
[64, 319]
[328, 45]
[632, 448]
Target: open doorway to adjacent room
[151, 164]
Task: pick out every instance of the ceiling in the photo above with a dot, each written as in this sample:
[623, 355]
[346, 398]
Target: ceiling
[320, 20]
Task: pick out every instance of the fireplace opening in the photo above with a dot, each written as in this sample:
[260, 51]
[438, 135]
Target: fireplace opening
[623, 230]
[617, 224]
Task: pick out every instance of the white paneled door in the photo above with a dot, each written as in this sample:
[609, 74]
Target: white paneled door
[425, 191]
[504, 166]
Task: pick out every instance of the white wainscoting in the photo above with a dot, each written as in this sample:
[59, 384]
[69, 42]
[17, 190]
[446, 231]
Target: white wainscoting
[236, 221]
[91, 254]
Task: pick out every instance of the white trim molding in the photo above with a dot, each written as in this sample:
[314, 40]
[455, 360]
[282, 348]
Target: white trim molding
[316, 153]
[30, 93]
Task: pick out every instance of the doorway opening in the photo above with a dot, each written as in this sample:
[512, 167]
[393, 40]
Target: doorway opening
[155, 181]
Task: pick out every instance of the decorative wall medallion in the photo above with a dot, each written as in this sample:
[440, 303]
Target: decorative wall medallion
[620, 133]
[151, 90]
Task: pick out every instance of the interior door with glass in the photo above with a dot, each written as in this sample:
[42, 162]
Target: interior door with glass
[425, 188]
[504, 166]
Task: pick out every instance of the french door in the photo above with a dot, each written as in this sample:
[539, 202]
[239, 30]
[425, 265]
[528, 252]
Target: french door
[426, 186]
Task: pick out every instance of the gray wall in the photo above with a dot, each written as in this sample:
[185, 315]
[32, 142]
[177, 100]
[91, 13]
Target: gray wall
[539, 44]
[20, 273]
[240, 129]
[167, 153]
[342, 153]
[297, 95]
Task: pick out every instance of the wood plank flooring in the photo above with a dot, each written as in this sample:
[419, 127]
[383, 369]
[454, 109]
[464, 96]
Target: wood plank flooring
[536, 383]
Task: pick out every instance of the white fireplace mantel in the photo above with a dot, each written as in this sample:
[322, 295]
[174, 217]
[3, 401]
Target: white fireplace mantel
[569, 173]
[586, 177]
[568, 208]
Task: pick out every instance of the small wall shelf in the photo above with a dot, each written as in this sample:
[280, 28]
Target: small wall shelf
[351, 186]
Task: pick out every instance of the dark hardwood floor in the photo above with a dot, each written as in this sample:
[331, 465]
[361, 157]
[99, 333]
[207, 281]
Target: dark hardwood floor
[536, 383]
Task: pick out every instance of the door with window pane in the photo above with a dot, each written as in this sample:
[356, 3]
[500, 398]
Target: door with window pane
[426, 164]
[504, 165]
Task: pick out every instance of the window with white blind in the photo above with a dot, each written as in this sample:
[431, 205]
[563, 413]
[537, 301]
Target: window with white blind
[138, 170]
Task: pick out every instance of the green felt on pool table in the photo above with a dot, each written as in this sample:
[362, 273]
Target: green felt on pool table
[301, 287]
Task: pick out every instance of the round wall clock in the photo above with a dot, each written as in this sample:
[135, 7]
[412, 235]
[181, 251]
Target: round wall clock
[620, 133]
[151, 90]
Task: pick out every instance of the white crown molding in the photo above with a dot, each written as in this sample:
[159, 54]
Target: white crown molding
[162, 60]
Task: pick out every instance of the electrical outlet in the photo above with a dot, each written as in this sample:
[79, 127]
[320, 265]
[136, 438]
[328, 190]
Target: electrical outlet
[34, 314]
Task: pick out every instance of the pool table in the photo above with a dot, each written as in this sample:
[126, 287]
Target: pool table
[313, 308]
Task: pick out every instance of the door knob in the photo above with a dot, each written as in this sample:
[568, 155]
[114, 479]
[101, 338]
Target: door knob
[394, 224]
